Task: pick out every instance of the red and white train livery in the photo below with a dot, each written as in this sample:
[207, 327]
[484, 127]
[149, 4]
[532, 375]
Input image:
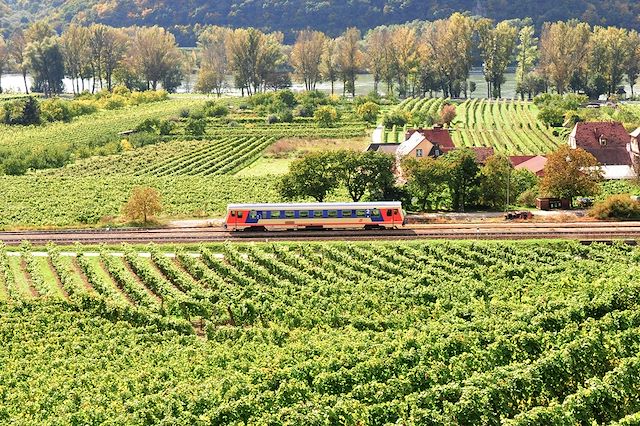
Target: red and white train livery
[314, 216]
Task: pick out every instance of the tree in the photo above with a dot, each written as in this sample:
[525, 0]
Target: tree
[349, 59]
[495, 182]
[329, 66]
[17, 46]
[47, 65]
[571, 172]
[311, 176]
[154, 54]
[76, 52]
[448, 114]
[306, 57]
[527, 54]
[376, 42]
[405, 55]
[363, 172]
[462, 176]
[114, 48]
[368, 112]
[608, 56]
[144, 203]
[632, 63]
[4, 57]
[563, 50]
[496, 47]
[326, 116]
[253, 57]
[214, 65]
[426, 180]
[448, 44]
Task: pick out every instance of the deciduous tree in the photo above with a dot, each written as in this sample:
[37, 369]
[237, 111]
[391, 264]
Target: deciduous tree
[144, 203]
[426, 180]
[362, 172]
[312, 176]
[569, 173]
[306, 57]
[563, 50]
[527, 55]
[17, 46]
[349, 59]
[462, 176]
[154, 54]
[496, 47]
[4, 58]
[213, 65]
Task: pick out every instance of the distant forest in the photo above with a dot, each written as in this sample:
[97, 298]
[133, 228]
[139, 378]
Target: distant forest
[289, 16]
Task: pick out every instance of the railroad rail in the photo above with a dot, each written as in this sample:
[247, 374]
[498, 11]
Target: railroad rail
[583, 231]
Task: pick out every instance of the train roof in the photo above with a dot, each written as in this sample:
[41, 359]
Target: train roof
[317, 206]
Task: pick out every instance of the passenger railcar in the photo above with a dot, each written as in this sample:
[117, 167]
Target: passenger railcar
[314, 216]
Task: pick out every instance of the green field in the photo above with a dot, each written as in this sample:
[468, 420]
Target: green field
[525, 333]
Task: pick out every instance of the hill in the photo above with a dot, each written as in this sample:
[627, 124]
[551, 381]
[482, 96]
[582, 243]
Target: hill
[291, 15]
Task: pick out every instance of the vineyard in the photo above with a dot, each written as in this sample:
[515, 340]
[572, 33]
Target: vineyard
[466, 333]
[66, 201]
[509, 126]
[222, 156]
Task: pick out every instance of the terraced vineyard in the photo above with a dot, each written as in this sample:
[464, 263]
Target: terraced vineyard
[509, 126]
[223, 156]
[360, 334]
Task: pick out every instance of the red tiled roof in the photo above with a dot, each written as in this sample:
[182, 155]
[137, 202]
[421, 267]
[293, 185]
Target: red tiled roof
[588, 135]
[519, 159]
[534, 165]
[440, 137]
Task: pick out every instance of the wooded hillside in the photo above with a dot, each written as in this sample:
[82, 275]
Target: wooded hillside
[288, 16]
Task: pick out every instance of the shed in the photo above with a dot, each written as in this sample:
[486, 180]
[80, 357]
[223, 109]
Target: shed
[547, 203]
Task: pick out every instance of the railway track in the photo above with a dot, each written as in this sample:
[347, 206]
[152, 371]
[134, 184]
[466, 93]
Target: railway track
[583, 231]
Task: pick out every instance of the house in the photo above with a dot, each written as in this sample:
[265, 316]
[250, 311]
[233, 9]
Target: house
[534, 163]
[609, 143]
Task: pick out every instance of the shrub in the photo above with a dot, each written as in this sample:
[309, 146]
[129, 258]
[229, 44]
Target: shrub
[396, 118]
[22, 111]
[285, 116]
[552, 116]
[368, 111]
[55, 110]
[304, 111]
[271, 119]
[620, 206]
[326, 116]
[196, 127]
[212, 109]
[528, 198]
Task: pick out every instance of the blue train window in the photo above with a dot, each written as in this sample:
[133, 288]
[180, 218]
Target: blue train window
[304, 213]
[332, 213]
[253, 214]
[376, 212]
[275, 215]
[289, 214]
[361, 213]
[347, 213]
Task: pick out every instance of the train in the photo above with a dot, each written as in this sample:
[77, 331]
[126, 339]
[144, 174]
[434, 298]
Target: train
[261, 217]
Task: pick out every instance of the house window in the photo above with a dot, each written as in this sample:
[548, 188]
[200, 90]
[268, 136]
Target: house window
[418, 152]
[603, 141]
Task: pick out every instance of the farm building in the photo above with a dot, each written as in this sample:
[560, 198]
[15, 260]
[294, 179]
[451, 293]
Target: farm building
[421, 143]
[534, 163]
[609, 143]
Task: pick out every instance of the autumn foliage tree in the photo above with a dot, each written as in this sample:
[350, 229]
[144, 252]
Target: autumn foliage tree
[143, 204]
[570, 173]
[448, 114]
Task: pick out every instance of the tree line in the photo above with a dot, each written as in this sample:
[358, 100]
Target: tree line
[417, 58]
[93, 57]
